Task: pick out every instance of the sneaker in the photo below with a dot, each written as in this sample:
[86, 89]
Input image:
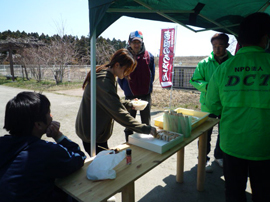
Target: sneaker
[219, 162]
[208, 167]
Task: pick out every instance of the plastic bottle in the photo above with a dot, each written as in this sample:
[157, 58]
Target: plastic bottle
[128, 156]
[165, 120]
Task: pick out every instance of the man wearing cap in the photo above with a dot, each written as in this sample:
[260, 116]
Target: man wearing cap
[200, 79]
[140, 84]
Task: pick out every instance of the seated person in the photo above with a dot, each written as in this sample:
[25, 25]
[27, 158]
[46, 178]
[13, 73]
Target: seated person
[29, 165]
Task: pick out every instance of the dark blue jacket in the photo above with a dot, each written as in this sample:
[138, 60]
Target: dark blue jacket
[29, 167]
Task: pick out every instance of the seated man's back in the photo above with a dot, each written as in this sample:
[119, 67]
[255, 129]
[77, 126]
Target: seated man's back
[30, 165]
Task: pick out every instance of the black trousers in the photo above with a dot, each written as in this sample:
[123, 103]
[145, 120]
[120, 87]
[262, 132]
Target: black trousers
[61, 196]
[145, 114]
[236, 172]
[87, 147]
[218, 154]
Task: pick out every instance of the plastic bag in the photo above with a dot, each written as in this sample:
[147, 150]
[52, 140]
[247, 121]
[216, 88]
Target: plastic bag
[102, 166]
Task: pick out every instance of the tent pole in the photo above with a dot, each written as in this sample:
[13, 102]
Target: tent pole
[93, 94]
[174, 41]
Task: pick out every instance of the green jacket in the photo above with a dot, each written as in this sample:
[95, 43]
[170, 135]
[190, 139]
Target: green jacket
[239, 90]
[108, 109]
[202, 75]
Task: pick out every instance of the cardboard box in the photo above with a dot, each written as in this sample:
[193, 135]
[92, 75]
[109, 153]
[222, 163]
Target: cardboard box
[149, 142]
[198, 117]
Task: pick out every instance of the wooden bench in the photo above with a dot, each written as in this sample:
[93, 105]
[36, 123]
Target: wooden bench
[78, 186]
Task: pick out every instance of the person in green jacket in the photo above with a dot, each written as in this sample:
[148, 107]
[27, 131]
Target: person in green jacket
[108, 104]
[239, 91]
[200, 79]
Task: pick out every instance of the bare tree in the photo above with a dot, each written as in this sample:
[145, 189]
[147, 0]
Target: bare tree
[11, 44]
[29, 60]
[36, 59]
[62, 51]
[104, 51]
[59, 52]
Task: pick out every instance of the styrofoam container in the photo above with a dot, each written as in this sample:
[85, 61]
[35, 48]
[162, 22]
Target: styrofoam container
[149, 142]
[139, 104]
[198, 117]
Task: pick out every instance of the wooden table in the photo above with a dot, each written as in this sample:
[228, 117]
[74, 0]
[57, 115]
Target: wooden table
[78, 186]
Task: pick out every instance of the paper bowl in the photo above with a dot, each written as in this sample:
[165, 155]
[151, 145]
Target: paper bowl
[139, 104]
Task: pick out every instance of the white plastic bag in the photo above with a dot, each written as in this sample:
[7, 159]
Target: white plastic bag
[102, 166]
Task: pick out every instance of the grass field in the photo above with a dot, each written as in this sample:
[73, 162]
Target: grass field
[39, 86]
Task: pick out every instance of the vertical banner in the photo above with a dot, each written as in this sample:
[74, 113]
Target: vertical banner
[166, 56]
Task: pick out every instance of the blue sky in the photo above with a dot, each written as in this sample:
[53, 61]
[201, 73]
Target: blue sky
[48, 16]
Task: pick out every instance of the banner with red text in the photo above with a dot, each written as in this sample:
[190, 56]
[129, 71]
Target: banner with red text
[166, 56]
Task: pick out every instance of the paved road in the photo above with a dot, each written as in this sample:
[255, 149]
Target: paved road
[158, 185]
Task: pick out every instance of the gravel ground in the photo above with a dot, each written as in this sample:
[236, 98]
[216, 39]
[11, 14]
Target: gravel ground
[159, 184]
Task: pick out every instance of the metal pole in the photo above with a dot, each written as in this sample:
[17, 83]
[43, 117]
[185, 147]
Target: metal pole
[93, 94]
[174, 40]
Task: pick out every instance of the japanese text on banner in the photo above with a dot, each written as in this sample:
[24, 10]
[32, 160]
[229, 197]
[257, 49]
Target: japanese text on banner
[166, 57]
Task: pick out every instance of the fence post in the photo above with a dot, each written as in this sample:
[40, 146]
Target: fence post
[85, 66]
[68, 73]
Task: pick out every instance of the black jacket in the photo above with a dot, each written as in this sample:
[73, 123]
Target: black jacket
[29, 167]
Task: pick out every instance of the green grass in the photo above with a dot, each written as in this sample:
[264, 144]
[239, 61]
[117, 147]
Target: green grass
[39, 86]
